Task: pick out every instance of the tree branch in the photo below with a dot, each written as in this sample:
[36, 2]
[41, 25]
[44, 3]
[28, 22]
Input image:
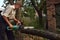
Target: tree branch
[33, 3]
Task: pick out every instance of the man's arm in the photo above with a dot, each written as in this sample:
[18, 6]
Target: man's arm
[17, 21]
[6, 19]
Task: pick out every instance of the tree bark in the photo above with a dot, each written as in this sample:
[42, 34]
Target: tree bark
[42, 33]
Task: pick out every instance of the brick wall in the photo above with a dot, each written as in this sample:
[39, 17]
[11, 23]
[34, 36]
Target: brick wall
[51, 14]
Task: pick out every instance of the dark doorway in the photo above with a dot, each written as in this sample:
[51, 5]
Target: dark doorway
[57, 8]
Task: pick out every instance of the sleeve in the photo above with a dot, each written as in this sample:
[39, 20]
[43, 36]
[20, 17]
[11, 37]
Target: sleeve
[6, 11]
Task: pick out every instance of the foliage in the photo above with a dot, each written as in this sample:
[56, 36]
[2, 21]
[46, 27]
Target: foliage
[29, 12]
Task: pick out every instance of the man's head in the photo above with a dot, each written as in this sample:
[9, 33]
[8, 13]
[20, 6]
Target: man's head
[17, 5]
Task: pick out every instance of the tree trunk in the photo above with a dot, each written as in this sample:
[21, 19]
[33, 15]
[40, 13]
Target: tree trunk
[18, 16]
[39, 12]
[42, 33]
[40, 18]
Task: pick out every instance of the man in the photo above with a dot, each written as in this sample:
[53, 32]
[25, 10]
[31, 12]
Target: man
[5, 16]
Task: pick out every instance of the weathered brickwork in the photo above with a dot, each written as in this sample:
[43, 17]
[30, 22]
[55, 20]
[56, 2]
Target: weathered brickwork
[51, 14]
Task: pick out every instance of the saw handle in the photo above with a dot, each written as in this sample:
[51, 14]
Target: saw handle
[15, 27]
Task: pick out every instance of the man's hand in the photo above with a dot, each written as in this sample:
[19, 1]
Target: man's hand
[18, 23]
[11, 26]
